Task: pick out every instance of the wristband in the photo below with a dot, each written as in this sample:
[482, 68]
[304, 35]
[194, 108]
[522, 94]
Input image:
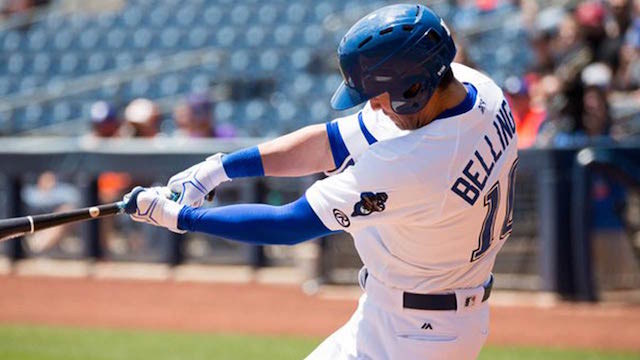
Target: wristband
[243, 163]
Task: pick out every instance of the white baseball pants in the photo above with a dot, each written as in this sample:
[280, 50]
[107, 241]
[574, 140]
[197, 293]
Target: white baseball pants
[382, 329]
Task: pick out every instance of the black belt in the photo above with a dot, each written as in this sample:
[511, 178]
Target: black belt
[441, 301]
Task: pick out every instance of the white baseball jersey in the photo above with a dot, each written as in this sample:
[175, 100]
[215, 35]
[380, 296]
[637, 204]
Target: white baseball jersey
[428, 208]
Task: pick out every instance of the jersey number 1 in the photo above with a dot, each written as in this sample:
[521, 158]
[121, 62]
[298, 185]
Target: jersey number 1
[492, 202]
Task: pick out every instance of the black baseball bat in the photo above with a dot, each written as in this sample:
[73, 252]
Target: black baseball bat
[10, 228]
[14, 227]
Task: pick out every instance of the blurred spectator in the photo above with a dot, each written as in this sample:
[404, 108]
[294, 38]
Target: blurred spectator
[104, 120]
[49, 195]
[528, 115]
[627, 76]
[194, 118]
[142, 119]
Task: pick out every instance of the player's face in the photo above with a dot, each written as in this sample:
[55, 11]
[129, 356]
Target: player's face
[404, 122]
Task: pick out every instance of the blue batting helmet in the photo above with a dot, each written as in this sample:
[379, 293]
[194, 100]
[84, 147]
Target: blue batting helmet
[400, 49]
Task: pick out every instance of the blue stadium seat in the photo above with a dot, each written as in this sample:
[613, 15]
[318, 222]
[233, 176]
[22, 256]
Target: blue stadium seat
[159, 16]
[319, 111]
[226, 36]
[212, 15]
[68, 64]
[240, 15]
[283, 35]
[170, 85]
[200, 83]
[224, 111]
[37, 40]
[313, 35]
[13, 41]
[97, 62]
[267, 14]
[142, 38]
[41, 63]
[61, 111]
[300, 59]
[31, 116]
[170, 37]
[198, 37]
[240, 60]
[322, 10]
[301, 86]
[185, 17]
[90, 39]
[16, 64]
[255, 36]
[29, 83]
[132, 17]
[296, 13]
[138, 87]
[63, 39]
[5, 85]
[116, 39]
[124, 60]
[269, 60]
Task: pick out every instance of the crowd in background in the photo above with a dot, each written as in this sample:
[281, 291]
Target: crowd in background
[585, 71]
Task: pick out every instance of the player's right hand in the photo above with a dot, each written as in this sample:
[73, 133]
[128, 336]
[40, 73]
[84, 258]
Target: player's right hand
[194, 183]
[153, 206]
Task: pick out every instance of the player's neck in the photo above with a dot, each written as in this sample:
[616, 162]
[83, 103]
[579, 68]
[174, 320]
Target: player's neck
[442, 99]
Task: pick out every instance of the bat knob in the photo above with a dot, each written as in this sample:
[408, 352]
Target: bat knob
[131, 206]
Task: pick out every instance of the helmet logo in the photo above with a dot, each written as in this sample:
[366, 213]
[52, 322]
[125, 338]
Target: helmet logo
[441, 71]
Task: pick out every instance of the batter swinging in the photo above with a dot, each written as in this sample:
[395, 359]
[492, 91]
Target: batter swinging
[422, 178]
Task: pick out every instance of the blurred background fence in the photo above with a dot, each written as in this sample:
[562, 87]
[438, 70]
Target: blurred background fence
[558, 243]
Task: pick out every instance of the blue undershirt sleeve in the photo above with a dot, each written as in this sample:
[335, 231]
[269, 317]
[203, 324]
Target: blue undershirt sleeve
[256, 223]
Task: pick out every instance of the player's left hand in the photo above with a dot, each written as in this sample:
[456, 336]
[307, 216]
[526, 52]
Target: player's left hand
[153, 206]
[194, 183]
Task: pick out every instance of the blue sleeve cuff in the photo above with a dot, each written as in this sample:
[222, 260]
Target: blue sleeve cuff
[338, 147]
[243, 163]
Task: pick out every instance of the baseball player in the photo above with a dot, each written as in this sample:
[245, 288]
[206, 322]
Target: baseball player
[422, 178]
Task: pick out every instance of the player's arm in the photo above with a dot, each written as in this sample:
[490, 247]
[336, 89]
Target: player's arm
[250, 223]
[310, 150]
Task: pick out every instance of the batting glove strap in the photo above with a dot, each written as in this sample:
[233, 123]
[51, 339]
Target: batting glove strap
[194, 183]
[154, 206]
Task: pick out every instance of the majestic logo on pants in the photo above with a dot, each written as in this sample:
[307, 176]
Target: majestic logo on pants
[369, 203]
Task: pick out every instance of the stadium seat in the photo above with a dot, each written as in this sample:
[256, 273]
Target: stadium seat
[170, 37]
[37, 40]
[90, 39]
[12, 41]
[16, 64]
[226, 36]
[41, 63]
[5, 85]
[116, 39]
[254, 36]
[296, 13]
[283, 35]
[212, 15]
[269, 60]
[142, 38]
[267, 14]
[198, 37]
[240, 15]
[224, 111]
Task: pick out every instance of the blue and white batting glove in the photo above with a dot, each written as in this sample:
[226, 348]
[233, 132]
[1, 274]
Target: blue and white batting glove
[153, 206]
[194, 183]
